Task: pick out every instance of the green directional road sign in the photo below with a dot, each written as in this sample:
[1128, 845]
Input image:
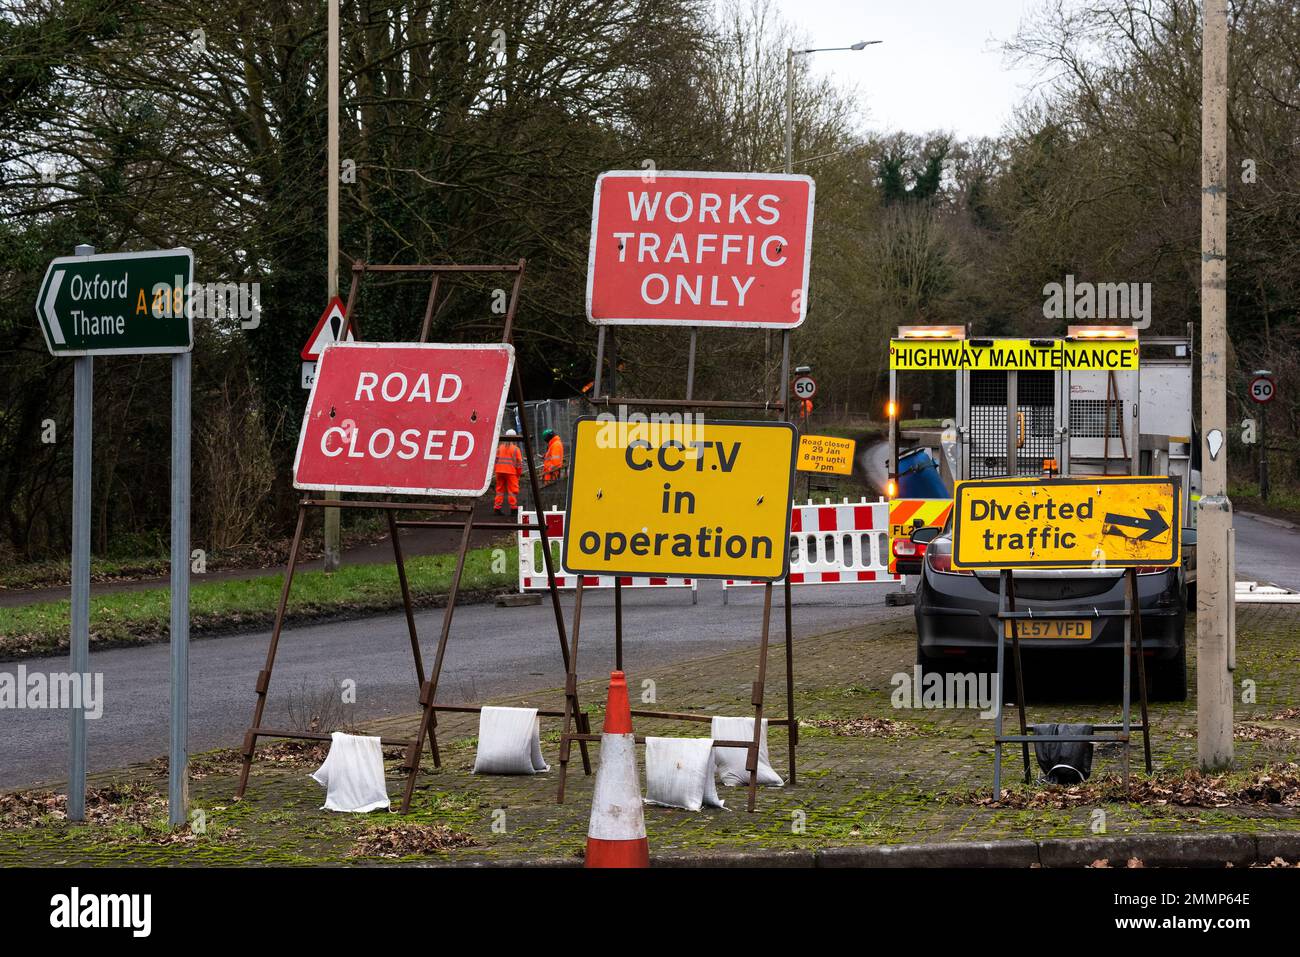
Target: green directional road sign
[118, 303]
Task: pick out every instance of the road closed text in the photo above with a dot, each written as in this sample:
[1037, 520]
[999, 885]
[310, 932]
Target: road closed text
[415, 419]
[432, 445]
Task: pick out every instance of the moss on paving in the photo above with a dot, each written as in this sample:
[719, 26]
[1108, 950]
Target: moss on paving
[888, 789]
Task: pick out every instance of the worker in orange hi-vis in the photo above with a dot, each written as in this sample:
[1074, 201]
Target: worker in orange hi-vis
[553, 462]
[509, 466]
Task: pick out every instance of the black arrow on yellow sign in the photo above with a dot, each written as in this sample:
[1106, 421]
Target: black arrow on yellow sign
[1153, 525]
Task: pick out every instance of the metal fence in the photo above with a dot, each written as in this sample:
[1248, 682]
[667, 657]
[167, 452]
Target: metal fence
[560, 416]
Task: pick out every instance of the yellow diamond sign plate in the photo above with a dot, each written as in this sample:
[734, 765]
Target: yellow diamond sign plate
[1100, 522]
[687, 498]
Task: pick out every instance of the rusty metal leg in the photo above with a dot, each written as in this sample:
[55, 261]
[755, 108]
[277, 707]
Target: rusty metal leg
[547, 558]
[618, 623]
[412, 763]
[793, 726]
[429, 691]
[1135, 605]
[571, 696]
[406, 600]
[264, 677]
[751, 760]
[411, 629]
[1020, 671]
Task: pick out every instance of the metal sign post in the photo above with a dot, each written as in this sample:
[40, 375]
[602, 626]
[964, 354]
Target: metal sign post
[83, 375]
[178, 796]
[124, 304]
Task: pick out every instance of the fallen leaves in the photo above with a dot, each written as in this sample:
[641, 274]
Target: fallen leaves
[114, 804]
[863, 727]
[405, 840]
[1276, 784]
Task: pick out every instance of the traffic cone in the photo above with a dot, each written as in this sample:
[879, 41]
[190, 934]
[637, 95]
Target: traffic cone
[616, 834]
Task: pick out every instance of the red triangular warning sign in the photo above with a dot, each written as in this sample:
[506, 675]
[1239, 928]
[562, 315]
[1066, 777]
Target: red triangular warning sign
[327, 330]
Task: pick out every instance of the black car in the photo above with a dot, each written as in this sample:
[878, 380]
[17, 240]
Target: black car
[957, 625]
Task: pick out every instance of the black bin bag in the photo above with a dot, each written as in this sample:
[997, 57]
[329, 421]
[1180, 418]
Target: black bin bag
[1064, 762]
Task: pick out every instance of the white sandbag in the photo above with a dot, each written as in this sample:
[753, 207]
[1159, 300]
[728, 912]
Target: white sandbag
[731, 761]
[679, 773]
[353, 774]
[509, 742]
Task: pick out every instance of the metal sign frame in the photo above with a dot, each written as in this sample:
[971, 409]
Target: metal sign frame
[1107, 733]
[573, 723]
[427, 685]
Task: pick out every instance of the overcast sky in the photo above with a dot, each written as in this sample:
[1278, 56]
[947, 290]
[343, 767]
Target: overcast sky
[940, 67]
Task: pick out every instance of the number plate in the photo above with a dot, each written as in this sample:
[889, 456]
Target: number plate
[1080, 629]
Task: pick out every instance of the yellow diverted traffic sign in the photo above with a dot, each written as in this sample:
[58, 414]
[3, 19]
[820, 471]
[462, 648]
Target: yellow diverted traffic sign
[1102, 522]
[1007, 354]
[693, 499]
[825, 455]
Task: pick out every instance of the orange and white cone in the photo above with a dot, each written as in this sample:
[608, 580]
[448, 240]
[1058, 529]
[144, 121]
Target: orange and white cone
[616, 835]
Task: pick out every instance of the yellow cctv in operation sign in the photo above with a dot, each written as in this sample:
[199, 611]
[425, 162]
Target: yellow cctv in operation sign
[1008, 354]
[825, 455]
[1096, 522]
[689, 499]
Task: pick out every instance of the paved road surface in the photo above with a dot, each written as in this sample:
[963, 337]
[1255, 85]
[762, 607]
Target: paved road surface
[493, 651]
[1267, 550]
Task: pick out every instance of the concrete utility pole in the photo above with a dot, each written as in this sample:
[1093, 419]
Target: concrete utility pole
[333, 554]
[1215, 589]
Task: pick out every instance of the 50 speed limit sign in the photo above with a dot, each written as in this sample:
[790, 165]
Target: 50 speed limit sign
[1262, 389]
[805, 387]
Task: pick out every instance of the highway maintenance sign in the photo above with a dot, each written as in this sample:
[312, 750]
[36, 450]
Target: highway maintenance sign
[1102, 522]
[408, 419]
[697, 500]
[118, 303]
[700, 249]
[946, 355]
[328, 329]
[825, 455]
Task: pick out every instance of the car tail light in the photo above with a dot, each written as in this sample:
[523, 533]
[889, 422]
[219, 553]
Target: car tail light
[906, 548]
[939, 557]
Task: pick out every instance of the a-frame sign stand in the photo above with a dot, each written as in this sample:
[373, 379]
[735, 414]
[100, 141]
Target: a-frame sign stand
[576, 727]
[427, 685]
[1108, 733]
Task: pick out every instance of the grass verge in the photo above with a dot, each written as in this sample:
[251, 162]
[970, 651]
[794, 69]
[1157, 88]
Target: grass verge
[135, 617]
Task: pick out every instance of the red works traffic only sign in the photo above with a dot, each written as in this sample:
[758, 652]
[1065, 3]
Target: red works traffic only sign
[700, 249]
[406, 419]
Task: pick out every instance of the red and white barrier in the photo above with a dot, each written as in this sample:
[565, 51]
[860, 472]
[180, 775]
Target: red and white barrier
[532, 568]
[836, 544]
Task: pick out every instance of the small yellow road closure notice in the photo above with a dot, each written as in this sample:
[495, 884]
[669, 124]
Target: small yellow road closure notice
[825, 455]
[1102, 522]
[693, 499]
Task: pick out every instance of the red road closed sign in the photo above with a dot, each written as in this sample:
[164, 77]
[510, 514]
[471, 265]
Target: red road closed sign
[404, 418]
[700, 249]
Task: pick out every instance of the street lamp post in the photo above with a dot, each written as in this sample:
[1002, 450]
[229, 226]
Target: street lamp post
[790, 54]
[789, 91]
